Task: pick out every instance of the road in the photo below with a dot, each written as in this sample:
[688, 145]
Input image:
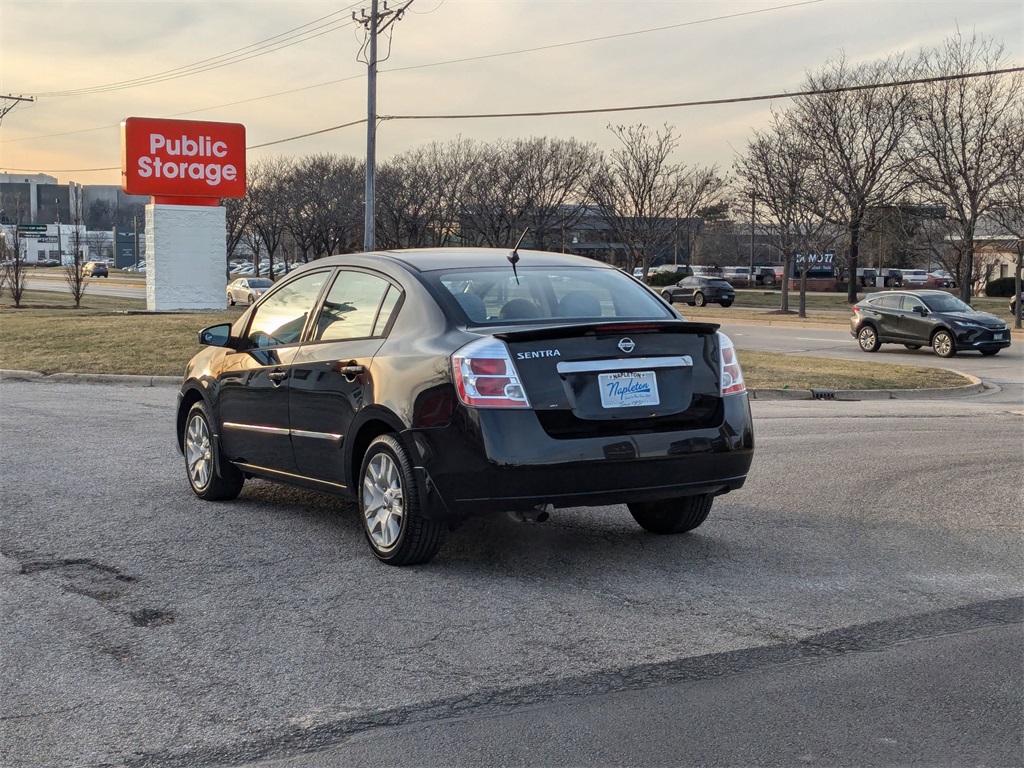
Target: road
[873, 540]
[98, 286]
[1005, 368]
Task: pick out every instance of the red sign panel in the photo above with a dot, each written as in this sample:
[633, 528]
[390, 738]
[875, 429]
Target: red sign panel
[182, 158]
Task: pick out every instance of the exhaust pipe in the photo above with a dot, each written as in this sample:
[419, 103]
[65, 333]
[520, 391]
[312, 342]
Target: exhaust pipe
[538, 514]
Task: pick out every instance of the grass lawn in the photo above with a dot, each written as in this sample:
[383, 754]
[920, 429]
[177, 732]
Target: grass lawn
[107, 336]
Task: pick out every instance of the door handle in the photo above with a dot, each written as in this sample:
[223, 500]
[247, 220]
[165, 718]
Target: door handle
[351, 370]
[277, 377]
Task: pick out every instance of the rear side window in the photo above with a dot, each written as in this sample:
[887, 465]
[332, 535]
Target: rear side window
[495, 295]
[352, 306]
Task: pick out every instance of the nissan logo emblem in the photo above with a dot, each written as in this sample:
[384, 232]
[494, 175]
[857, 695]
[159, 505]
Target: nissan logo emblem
[626, 345]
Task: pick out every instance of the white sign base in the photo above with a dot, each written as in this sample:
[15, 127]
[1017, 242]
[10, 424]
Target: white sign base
[185, 257]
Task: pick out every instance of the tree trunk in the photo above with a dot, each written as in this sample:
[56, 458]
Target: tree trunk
[851, 282]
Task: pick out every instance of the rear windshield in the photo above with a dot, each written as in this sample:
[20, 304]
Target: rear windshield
[494, 295]
[260, 282]
[719, 283]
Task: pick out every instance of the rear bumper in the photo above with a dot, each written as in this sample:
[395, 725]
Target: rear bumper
[503, 460]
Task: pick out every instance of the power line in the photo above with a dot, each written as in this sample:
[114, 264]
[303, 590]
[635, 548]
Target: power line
[605, 37]
[254, 50]
[601, 110]
[710, 102]
[443, 63]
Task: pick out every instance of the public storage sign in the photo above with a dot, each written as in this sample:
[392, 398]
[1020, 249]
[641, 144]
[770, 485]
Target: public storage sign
[182, 158]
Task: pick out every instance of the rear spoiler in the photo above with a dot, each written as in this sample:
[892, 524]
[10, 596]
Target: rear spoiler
[607, 329]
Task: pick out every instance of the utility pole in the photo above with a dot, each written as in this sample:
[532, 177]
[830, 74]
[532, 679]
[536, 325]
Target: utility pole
[135, 229]
[7, 103]
[753, 201]
[375, 23]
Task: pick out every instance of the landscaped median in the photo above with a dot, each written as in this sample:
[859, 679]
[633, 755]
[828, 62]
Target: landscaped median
[47, 339]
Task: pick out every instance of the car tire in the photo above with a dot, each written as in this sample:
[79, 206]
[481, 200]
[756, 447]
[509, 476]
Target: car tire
[699, 300]
[670, 516]
[988, 352]
[912, 346]
[231, 300]
[389, 507]
[252, 299]
[943, 343]
[867, 339]
[768, 281]
[726, 303]
[198, 446]
[666, 296]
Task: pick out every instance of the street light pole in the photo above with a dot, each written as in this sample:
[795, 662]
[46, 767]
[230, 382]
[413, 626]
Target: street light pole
[60, 249]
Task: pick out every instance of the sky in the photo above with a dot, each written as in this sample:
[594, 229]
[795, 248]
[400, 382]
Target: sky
[682, 50]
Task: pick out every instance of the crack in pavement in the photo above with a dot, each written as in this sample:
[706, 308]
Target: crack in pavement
[865, 638]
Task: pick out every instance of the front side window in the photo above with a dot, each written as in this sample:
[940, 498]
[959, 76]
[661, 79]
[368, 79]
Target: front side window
[946, 303]
[280, 318]
[352, 306]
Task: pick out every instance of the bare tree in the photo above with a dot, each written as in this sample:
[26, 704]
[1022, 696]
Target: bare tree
[267, 198]
[854, 138]
[13, 268]
[646, 199]
[1008, 212]
[421, 194]
[74, 273]
[778, 170]
[965, 142]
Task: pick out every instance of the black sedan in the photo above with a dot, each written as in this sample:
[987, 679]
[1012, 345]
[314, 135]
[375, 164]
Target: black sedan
[698, 291]
[926, 318]
[433, 385]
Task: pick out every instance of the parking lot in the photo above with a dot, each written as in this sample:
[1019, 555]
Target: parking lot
[147, 627]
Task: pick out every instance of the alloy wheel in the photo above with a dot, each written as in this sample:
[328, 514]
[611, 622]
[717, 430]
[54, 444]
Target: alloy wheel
[198, 452]
[383, 503]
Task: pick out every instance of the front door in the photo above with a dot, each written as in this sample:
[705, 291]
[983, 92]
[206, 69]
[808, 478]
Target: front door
[332, 377]
[252, 398]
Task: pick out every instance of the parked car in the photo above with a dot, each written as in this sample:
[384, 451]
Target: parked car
[1013, 303]
[926, 318]
[940, 278]
[248, 289]
[433, 385]
[736, 275]
[768, 275]
[95, 269]
[913, 278]
[698, 291]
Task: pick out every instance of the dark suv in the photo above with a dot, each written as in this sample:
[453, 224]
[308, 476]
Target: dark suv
[698, 291]
[926, 318]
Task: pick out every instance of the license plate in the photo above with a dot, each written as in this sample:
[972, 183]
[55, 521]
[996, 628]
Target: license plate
[997, 336]
[628, 389]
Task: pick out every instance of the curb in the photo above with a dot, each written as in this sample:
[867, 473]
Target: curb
[975, 387]
[125, 379]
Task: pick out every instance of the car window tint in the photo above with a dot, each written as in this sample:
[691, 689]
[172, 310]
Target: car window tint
[350, 309]
[889, 302]
[387, 310]
[495, 295]
[282, 315]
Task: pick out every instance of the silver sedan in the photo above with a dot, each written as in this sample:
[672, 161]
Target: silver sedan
[247, 289]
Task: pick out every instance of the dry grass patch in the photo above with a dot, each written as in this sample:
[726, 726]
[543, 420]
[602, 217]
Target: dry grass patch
[49, 335]
[766, 370]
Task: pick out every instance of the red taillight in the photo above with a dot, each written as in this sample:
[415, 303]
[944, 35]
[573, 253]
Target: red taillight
[486, 377]
[484, 366]
[729, 369]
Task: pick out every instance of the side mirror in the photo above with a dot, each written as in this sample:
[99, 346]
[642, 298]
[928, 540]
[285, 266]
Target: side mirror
[922, 311]
[217, 336]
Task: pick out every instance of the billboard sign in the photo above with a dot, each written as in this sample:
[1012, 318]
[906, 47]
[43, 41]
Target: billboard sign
[182, 158]
[30, 230]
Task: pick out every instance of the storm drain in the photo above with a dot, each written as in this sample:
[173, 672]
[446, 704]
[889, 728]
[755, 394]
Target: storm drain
[823, 394]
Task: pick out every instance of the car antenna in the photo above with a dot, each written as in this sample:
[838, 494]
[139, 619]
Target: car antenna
[513, 257]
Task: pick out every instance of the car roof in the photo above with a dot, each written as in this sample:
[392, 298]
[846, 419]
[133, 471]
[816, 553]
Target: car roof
[430, 259]
[920, 294]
